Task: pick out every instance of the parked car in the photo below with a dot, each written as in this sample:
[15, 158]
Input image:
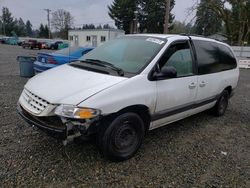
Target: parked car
[48, 45]
[128, 86]
[63, 45]
[47, 61]
[54, 46]
[20, 42]
[31, 44]
[12, 41]
[43, 45]
[3, 40]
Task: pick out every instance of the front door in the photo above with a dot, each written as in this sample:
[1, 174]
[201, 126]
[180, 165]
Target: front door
[76, 40]
[94, 41]
[176, 96]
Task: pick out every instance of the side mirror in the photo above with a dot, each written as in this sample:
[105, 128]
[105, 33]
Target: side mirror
[165, 73]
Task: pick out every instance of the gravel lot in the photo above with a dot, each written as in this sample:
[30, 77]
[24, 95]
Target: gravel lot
[200, 151]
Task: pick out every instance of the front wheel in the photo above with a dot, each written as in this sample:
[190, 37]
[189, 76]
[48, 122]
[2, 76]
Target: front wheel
[121, 139]
[220, 107]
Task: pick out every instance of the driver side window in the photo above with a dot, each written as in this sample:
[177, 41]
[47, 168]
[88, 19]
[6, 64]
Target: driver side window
[179, 56]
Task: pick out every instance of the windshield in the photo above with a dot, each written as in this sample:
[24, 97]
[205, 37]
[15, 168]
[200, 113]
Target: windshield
[67, 51]
[130, 54]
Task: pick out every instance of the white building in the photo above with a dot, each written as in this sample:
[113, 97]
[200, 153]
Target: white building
[92, 37]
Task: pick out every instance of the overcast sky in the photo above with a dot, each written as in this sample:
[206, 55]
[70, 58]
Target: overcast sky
[84, 11]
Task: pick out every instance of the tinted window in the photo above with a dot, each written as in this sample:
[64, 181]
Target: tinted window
[213, 57]
[179, 56]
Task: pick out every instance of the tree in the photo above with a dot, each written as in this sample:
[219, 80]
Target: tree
[179, 27]
[207, 21]
[28, 26]
[21, 28]
[99, 26]
[88, 26]
[107, 26]
[62, 21]
[152, 15]
[7, 21]
[236, 18]
[46, 31]
[43, 31]
[122, 12]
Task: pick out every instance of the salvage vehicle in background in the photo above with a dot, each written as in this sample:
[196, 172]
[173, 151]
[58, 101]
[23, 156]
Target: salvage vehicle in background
[128, 86]
[55, 45]
[31, 44]
[47, 61]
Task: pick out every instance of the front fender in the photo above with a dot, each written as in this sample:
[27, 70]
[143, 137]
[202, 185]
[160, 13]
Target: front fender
[134, 91]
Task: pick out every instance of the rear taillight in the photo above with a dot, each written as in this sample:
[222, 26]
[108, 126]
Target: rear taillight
[51, 60]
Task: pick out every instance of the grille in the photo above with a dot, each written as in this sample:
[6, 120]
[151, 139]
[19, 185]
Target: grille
[35, 103]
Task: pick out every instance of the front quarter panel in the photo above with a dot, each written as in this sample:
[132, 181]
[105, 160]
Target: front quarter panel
[134, 91]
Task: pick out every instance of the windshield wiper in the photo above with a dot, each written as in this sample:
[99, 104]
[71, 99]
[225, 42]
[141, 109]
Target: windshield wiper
[105, 64]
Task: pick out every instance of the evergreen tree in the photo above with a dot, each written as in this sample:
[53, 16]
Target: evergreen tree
[107, 26]
[122, 12]
[7, 21]
[46, 31]
[29, 29]
[99, 26]
[41, 31]
[21, 27]
[207, 22]
[88, 26]
[152, 15]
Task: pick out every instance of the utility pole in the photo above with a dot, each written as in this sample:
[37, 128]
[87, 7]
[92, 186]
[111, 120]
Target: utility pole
[48, 13]
[167, 14]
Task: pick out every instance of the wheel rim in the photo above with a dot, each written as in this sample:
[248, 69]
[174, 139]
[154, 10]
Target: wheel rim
[125, 138]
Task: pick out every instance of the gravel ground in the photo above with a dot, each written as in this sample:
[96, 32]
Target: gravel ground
[200, 151]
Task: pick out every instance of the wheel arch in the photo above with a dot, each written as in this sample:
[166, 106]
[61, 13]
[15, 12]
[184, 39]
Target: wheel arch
[229, 89]
[141, 110]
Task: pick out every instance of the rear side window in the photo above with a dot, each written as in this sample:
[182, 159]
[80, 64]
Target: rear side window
[213, 57]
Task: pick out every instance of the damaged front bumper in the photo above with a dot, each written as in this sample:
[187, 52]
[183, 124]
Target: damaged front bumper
[60, 128]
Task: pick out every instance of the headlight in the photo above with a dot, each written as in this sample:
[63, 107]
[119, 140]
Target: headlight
[76, 112]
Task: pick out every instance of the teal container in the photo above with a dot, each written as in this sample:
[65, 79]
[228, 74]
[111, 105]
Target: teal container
[26, 66]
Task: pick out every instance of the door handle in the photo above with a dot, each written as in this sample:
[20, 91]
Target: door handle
[202, 84]
[192, 86]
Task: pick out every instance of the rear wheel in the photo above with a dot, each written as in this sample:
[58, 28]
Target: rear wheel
[120, 139]
[220, 107]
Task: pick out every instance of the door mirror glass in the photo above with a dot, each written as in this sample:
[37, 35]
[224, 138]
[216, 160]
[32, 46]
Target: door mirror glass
[165, 73]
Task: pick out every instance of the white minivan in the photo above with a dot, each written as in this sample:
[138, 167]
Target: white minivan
[130, 85]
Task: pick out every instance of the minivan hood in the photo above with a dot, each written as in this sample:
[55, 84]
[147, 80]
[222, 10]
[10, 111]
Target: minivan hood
[69, 85]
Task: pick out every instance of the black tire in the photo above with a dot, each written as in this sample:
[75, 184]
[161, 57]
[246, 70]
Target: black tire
[221, 106]
[121, 138]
